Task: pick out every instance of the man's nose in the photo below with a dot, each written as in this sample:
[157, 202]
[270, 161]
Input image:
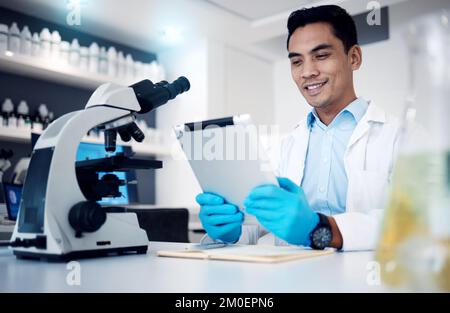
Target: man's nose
[309, 70]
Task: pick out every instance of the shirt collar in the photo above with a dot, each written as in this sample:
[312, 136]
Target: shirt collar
[356, 108]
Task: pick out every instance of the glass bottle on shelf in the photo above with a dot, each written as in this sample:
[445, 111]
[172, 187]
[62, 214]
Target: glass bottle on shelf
[14, 38]
[74, 53]
[414, 246]
[23, 116]
[94, 52]
[55, 45]
[64, 52]
[121, 65]
[129, 66]
[84, 59]
[35, 45]
[4, 30]
[8, 113]
[25, 41]
[103, 62]
[46, 42]
[112, 62]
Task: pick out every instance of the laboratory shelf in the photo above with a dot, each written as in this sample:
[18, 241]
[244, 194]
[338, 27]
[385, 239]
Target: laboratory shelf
[145, 149]
[54, 71]
[15, 134]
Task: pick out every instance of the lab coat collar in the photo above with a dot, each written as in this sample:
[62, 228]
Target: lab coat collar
[356, 108]
[374, 114]
[296, 163]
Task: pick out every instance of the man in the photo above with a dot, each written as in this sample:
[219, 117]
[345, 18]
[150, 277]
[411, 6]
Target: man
[335, 166]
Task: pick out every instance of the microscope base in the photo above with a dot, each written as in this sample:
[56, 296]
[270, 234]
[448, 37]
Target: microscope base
[76, 255]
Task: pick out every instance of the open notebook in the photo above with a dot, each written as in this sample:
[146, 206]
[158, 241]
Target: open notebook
[248, 253]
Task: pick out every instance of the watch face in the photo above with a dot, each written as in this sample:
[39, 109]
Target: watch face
[322, 237]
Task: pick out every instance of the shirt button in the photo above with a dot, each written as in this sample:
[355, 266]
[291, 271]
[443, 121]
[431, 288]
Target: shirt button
[325, 160]
[322, 190]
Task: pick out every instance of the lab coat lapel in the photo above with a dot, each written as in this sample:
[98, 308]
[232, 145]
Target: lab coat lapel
[297, 155]
[373, 114]
[359, 181]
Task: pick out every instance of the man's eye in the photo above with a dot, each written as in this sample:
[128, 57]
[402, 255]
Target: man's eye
[296, 62]
[322, 56]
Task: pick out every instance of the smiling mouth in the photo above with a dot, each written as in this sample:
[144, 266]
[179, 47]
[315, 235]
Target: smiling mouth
[314, 89]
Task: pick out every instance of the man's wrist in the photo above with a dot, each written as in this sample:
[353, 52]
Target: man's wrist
[325, 233]
[337, 240]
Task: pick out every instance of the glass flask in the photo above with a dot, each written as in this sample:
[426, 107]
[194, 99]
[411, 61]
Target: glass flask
[414, 244]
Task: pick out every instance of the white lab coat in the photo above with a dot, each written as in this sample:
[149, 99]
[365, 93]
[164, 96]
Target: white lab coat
[368, 163]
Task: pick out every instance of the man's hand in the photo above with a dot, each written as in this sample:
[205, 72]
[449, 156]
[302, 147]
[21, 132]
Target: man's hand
[221, 220]
[283, 210]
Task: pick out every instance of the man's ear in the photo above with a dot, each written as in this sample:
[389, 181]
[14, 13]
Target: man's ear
[355, 57]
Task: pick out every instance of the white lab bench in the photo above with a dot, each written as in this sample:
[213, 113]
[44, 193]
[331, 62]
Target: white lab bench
[339, 272]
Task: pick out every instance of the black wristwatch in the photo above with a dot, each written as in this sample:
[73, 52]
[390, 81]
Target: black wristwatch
[321, 236]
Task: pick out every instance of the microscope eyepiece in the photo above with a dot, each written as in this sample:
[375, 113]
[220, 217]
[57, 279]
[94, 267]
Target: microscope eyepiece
[151, 96]
[179, 86]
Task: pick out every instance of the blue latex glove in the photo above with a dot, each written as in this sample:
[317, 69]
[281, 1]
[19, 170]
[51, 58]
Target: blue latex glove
[283, 210]
[221, 220]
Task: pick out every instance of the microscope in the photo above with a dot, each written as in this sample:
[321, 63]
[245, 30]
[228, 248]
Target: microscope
[59, 217]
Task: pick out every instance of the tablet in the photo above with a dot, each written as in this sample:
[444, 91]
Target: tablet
[226, 156]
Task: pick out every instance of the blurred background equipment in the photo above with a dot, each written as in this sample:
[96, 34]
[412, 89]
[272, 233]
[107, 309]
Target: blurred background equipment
[20, 171]
[5, 163]
[414, 248]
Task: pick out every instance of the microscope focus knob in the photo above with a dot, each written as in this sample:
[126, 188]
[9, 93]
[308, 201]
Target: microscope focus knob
[86, 216]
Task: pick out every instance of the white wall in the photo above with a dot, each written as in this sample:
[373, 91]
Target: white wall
[249, 86]
[175, 183]
[382, 77]
[289, 106]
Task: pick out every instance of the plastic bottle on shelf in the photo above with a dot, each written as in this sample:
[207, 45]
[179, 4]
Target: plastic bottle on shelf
[56, 42]
[120, 65]
[7, 112]
[25, 41]
[64, 51]
[84, 59]
[46, 43]
[129, 66]
[40, 117]
[94, 51]
[112, 62]
[103, 61]
[35, 45]
[51, 117]
[23, 114]
[138, 70]
[14, 38]
[74, 53]
[12, 121]
[36, 124]
[47, 120]
[3, 38]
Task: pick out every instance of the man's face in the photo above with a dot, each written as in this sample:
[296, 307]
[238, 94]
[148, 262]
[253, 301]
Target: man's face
[320, 67]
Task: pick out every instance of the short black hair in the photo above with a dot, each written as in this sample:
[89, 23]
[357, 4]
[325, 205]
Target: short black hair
[338, 18]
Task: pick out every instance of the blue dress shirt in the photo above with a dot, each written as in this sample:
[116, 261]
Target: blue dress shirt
[324, 179]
